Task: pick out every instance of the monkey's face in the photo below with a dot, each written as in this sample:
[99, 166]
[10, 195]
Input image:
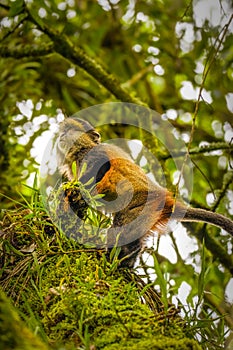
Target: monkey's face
[76, 138]
[75, 135]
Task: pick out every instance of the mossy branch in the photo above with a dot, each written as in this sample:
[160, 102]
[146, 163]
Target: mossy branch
[64, 46]
[78, 299]
[26, 51]
[215, 146]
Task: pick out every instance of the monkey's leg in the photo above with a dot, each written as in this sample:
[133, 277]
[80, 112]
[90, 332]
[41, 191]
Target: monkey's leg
[129, 231]
[129, 253]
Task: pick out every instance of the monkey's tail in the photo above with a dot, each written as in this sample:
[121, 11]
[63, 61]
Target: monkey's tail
[194, 214]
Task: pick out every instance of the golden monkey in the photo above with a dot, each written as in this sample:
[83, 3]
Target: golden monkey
[138, 205]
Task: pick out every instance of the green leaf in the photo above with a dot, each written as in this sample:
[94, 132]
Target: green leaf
[74, 170]
[162, 282]
[89, 181]
[83, 169]
[203, 274]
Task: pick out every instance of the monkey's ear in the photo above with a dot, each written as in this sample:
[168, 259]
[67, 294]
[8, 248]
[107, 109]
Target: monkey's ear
[94, 135]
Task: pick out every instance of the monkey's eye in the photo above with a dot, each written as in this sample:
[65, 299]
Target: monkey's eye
[62, 145]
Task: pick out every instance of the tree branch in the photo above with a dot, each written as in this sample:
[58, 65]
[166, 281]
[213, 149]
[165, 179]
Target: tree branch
[26, 51]
[10, 30]
[212, 245]
[216, 146]
[63, 45]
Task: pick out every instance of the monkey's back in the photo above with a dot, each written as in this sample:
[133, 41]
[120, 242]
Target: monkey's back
[125, 186]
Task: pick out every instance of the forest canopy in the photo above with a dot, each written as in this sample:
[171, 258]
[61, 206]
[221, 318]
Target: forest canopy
[58, 58]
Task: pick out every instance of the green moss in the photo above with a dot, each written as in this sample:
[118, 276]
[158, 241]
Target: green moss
[79, 300]
[13, 333]
[82, 308]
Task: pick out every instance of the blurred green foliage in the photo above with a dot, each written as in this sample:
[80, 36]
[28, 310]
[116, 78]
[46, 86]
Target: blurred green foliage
[154, 49]
[161, 52]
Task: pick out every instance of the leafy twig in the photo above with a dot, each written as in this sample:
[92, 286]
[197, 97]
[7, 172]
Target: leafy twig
[207, 68]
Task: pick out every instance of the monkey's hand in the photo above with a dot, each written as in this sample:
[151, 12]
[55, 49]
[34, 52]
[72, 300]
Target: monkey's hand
[76, 212]
[72, 198]
[69, 209]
